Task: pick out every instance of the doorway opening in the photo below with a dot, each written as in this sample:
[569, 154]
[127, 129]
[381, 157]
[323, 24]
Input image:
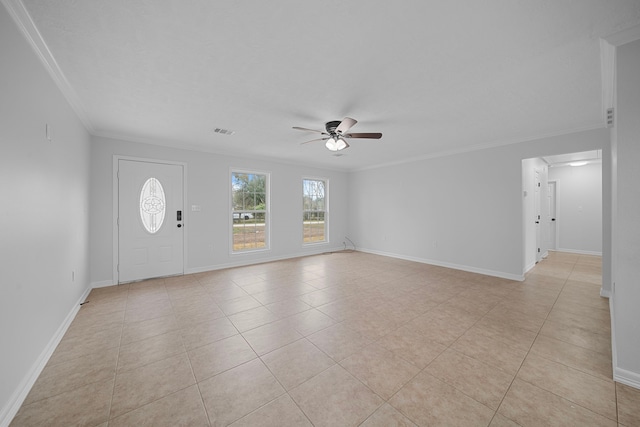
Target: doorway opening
[562, 205]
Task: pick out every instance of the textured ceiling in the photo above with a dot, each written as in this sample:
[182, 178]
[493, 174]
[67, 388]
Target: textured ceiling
[433, 77]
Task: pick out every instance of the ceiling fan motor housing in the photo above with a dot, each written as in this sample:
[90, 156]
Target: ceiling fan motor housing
[331, 126]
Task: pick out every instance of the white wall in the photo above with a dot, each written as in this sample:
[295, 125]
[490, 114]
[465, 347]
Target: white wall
[208, 185]
[625, 301]
[464, 211]
[579, 208]
[44, 202]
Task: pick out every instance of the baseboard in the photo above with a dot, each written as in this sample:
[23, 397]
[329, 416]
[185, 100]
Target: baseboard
[253, 261]
[623, 376]
[102, 284]
[240, 263]
[614, 346]
[529, 267]
[605, 293]
[632, 379]
[470, 269]
[17, 398]
[578, 251]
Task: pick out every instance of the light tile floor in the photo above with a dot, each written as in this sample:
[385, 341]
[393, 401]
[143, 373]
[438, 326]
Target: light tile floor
[340, 340]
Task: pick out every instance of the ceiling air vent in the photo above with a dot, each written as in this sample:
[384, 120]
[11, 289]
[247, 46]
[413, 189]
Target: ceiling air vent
[224, 131]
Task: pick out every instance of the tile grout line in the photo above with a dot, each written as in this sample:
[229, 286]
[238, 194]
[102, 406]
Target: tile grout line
[149, 363]
[528, 352]
[566, 342]
[115, 371]
[197, 383]
[421, 370]
[495, 411]
[375, 340]
[282, 385]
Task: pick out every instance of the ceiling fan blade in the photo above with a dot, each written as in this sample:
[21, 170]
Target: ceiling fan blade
[314, 140]
[373, 135]
[346, 124]
[309, 130]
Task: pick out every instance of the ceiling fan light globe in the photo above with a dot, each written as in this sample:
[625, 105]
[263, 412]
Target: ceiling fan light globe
[332, 144]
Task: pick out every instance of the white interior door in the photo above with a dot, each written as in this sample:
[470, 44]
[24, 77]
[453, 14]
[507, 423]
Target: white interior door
[150, 220]
[537, 218]
[552, 215]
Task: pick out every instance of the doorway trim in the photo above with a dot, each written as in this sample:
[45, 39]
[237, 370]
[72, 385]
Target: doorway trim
[116, 201]
[537, 212]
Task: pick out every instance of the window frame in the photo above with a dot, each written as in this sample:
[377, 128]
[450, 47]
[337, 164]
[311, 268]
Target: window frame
[267, 211]
[325, 211]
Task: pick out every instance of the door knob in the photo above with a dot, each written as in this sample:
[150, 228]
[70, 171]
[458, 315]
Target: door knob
[179, 225]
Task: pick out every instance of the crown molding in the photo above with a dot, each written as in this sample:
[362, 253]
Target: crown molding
[23, 20]
[185, 146]
[625, 36]
[488, 145]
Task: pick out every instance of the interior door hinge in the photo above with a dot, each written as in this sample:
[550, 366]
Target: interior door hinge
[610, 117]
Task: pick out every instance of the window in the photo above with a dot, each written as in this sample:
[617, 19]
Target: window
[152, 205]
[249, 201]
[314, 210]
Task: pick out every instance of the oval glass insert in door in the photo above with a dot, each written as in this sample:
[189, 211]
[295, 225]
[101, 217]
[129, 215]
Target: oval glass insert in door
[152, 205]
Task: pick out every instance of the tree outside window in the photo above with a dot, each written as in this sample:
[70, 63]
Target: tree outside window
[249, 210]
[314, 207]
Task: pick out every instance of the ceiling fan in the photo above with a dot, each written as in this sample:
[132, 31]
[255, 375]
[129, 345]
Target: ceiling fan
[336, 134]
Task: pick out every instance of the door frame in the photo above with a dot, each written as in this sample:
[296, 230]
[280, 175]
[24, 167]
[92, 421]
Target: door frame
[537, 203]
[116, 202]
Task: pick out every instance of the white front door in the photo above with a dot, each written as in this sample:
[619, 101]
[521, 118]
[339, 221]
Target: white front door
[552, 215]
[150, 220]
